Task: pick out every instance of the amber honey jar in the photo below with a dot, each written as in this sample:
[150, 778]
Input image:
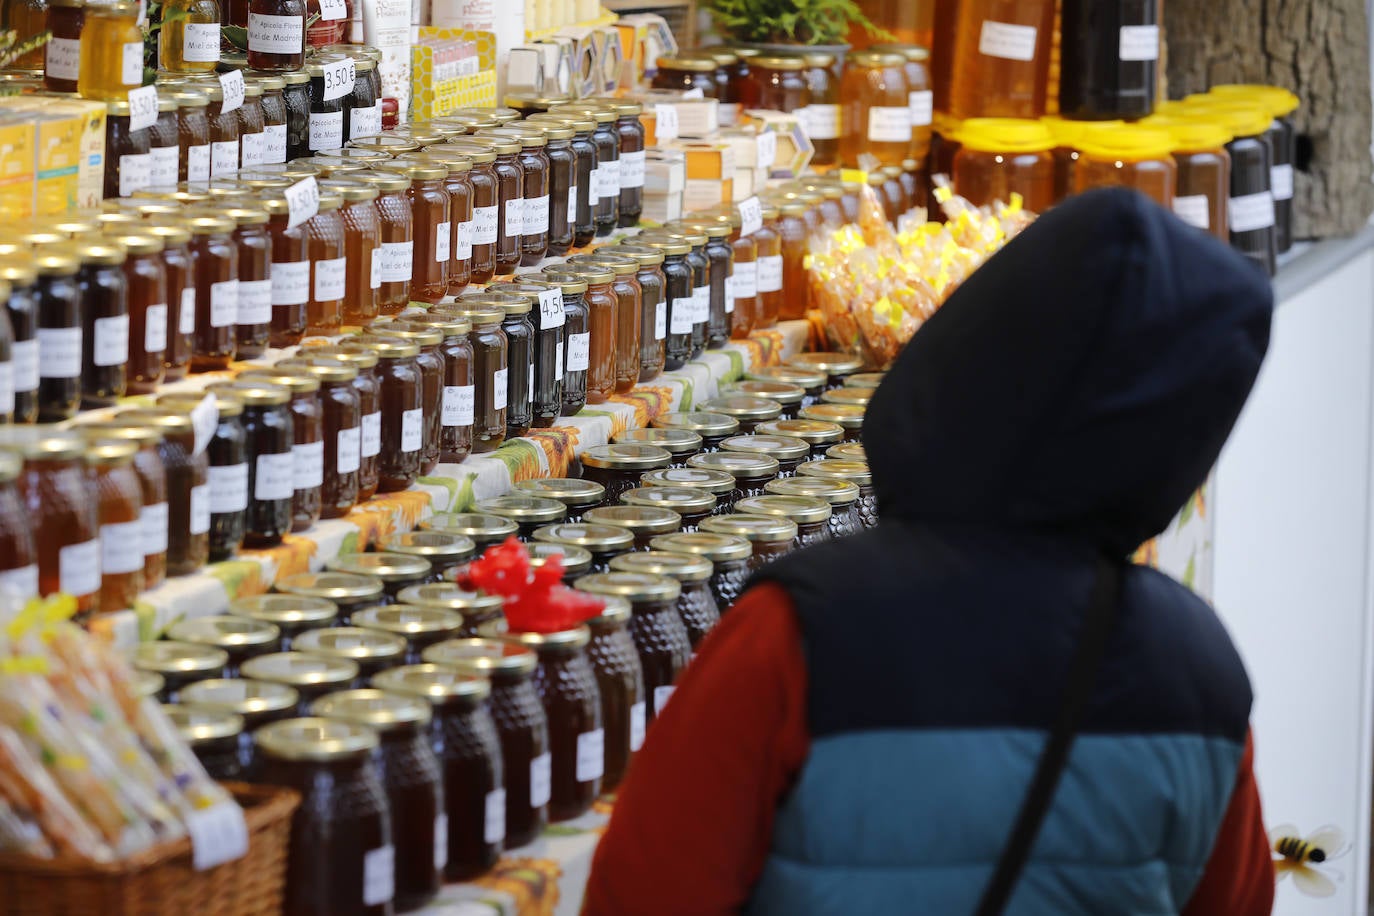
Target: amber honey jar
[290, 275]
[324, 238]
[362, 251]
[1000, 59]
[431, 209]
[876, 110]
[521, 724]
[999, 157]
[267, 480]
[490, 375]
[604, 542]
[179, 664]
[629, 315]
[547, 320]
[618, 467]
[460, 191]
[658, 632]
[574, 355]
[152, 478]
[341, 414]
[228, 451]
[188, 487]
[214, 259]
[431, 363]
[401, 395]
[368, 389]
[1204, 175]
[1129, 156]
[397, 231]
[145, 278]
[307, 421]
[119, 499]
[510, 201]
[527, 511]
[481, 176]
[62, 55]
[653, 326]
[469, 751]
[768, 240]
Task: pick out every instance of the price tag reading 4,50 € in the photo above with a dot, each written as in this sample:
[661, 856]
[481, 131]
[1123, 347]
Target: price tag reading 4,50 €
[302, 201]
[338, 79]
[751, 216]
[142, 107]
[231, 84]
[551, 313]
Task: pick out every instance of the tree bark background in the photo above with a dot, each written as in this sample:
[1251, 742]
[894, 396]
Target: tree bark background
[1319, 49]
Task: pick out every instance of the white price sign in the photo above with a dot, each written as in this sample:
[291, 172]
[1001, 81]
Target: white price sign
[142, 107]
[219, 834]
[665, 123]
[751, 216]
[339, 78]
[303, 202]
[333, 9]
[231, 84]
[551, 313]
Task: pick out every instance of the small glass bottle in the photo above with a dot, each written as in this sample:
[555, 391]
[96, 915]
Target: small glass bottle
[104, 293]
[276, 36]
[111, 54]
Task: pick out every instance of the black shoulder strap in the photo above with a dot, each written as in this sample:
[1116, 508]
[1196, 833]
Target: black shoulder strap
[1097, 627]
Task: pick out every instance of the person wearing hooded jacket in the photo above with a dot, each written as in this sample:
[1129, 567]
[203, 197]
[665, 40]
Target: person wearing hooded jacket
[859, 732]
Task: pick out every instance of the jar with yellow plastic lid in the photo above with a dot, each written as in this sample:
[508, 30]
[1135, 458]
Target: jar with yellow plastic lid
[999, 157]
[1066, 134]
[1251, 210]
[1127, 156]
[1204, 172]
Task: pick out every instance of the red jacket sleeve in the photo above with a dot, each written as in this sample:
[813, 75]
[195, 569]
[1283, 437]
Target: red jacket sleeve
[693, 821]
[1239, 879]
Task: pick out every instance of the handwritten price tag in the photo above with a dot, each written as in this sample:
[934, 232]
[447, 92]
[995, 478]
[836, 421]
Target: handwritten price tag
[219, 834]
[231, 84]
[302, 201]
[665, 122]
[751, 216]
[768, 149]
[339, 78]
[551, 313]
[333, 9]
[142, 107]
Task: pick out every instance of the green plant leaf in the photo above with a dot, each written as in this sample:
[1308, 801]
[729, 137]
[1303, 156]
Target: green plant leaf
[236, 36]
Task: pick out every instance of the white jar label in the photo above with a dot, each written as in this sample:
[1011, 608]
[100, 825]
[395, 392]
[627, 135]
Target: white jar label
[536, 215]
[186, 318]
[484, 225]
[462, 249]
[412, 429]
[594, 194]
[326, 130]
[922, 107]
[1251, 212]
[632, 170]
[680, 321]
[59, 352]
[551, 313]
[253, 151]
[349, 452]
[541, 780]
[163, 166]
[660, 320]
[557, 365]
[228, 489]
[379, 865]
[661, 697]
[111, 341]
[730, 295]
[515, 217]
[331, 277]
[637, 725]
[396, 261]
[307, 465]
[1281, 178]
[372, 434]
[135, 173]
[153, 520]
[255, 302]
[591, 755]
[499, 389]
[200, 42]
[273, 477]
[443, 243]
[746, 279]
[276, 35]
[770, 273]
[572, 207]
[198, 160]
[155, 329]
[78, 568]
[1193, 210]
[21, 582]
[274, 144]
[364, 122]
[579, 352]
[493, 824]
[224, 158]
[24, 356]
[1009, 42]
[200, 509]
[374, 269]
[132, 70]
[822, 122]
[121, 548]
[63, 60]
[889, 125]
[7, 387]
[610, 177]
[224, 303]
[1139, 42]
[440, 841]
[458, 405]
[290, 283]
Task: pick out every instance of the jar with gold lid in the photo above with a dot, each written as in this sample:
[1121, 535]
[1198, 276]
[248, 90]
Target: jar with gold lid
[228, 451]
[789, 452]
[681, 444]
[412, 780]
[842, 495]
[179, 663]
[696, 604]
[604, 542]
[810, 514]
[469, 751]
[618, 467]
[788, 396]
[255, 703]
[770, 536]
[837, 366]
[431, 363]
[188, 487]
[241, 638]
[442, 550]
[876, 110]
[521, 724]
[460, 189]
[712, 427]
[420, 627]
[362, 239]
[341, 418]
[718, 483]
[490, 373]
[527, 511]
[686, 72]
[348, 591]
[62, 55]
[478, 610]
[402, 403]
[690, 504]
[729, 554]
[658, 631]
[340, 858]
[213, 737]
[146, 282]
[152, 478]
[849, 417]
[290, 614]
[371, 650]
[396, 571]
[576, 495]
[857, 473]
[119, 502]
[104, 291]
[484, 530]
[751, 471]
[747, 410]
[645, 522]
[307, 413]
[396, 228]
[214, 259]
[310, 675]
[59, 335]
[368, 388]
[620, 683]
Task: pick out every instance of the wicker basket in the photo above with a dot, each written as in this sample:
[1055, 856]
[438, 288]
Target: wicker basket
[161, 882]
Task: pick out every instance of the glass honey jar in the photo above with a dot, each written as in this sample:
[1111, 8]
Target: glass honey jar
[146, 282]
[241, 638]
[397, 233]
[490, 376]
[290, 614]
[658, 632]
[645, 522]
[604, 542]
[324, 242]
[577, 496]
[128, 153]
[620, 682]
[193, 135]
[1129, 156]
[188, 487]
[696, 604]
[999, 157]
[653, 326]
[214, 260]
[104, 292]
[420, 627]
[402, 410]
[574, 355]
[62, 54]
[341, 408]
[179, 664]
[460, 189]
[63, 518]
[119, 499]
[276, 35]
[21, 305]
[59, 336]
[1000, 59]
[431, 363]
[308, 448]
[228, 473]
[111, 54]
[431, 210]
[876, 110]
[618, 467]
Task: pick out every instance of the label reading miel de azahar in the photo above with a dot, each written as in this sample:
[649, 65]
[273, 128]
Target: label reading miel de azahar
[515, 217]
[397, 261]
[541, 780]
[443, 243]
[276, 34]
[349, 451]
[331, 277]
[412, 429]
[200, 42]
[290, 282]
[224, 303]
[458, 405]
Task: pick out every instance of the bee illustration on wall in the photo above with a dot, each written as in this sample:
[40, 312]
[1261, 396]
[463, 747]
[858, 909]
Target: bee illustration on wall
[1304, 857]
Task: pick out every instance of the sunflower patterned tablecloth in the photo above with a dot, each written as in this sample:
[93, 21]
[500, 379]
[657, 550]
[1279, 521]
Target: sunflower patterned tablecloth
[451, 488]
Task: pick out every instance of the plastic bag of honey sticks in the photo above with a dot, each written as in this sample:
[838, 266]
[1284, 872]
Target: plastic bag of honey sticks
[875, 286]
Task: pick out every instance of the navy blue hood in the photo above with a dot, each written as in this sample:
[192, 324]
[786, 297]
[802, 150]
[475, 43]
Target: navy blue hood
[1083, 381]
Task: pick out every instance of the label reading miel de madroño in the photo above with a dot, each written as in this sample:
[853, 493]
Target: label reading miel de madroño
[889, 125]
[579, 352]
[200, 509]
[307, 465]
[78, 568]
[499, 385]
[155, 329]
[276, 34]
[153, 520]
[541, 780]
[632, 170]
[458, 405]
[224, 157]
[326, 130]
[483, 225]
[331, 277]
[290, 282]
[224, 303]
[412, 429]
[111, 341]
[63, 58]
[1007, 41]
[272, 479]
[637, 725]
[255, 301]
[349, 450]
[1251, 212]
[494, 821]
[228, 488]
[61, 352]
[591, 755]
[200, 42]
[1194, 210]
[364, 122]
[24, 356]
[198, 160]
[135, 173]
[164, 165]
[443, 243]
[121, 548]
[372, 434]
[397, 261]
[1139, 42]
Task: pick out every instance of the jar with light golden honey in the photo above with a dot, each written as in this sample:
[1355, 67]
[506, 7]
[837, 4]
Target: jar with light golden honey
[999, 157]
[876, 111]
[1129, 156]
[1000, 59]
[111, 54]
[119, 499]
[362, 251]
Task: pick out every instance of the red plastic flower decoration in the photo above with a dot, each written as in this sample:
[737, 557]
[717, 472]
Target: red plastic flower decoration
[536, 601]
